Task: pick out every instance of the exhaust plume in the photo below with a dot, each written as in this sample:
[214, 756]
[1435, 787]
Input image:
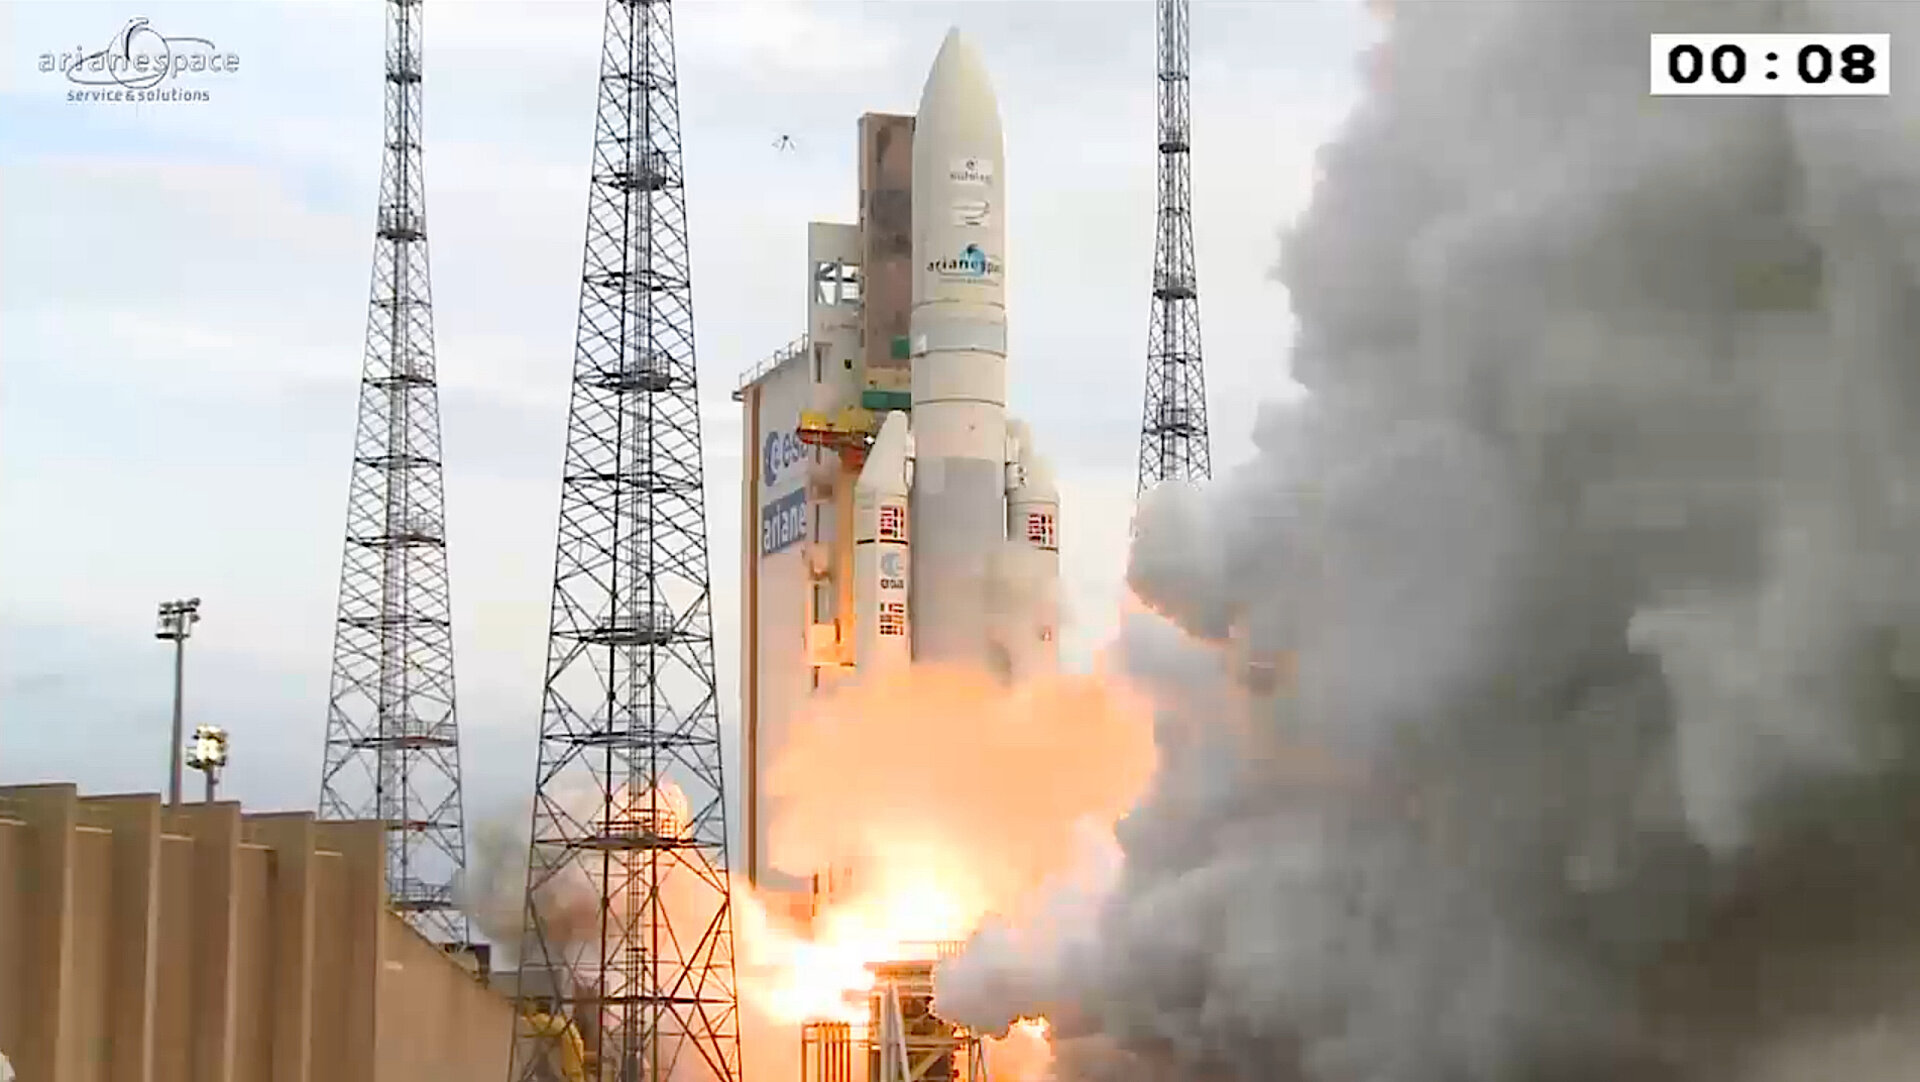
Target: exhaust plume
[950, 795]
[954, 798]
[1588, 570]
[950, 775]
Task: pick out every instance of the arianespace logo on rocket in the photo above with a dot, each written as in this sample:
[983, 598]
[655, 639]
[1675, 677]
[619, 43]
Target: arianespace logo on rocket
[893, 573]
[973, 263]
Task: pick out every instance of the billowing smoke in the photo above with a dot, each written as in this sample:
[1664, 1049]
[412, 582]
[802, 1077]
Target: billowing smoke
[577, 910]
[1590, 574]
[492, 890]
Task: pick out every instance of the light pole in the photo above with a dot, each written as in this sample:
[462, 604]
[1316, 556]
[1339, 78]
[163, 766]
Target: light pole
[209, 754]
[176, 623]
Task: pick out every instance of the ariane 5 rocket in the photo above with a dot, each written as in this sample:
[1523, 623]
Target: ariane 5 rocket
[956, 518]
[895, 515]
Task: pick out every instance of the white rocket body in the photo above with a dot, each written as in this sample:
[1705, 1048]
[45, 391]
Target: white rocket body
[1033, 525]
[881, 550]
[958, 333]
[956, 553]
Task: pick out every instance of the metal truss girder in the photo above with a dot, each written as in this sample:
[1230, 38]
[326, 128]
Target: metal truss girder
[1174, 440]
[630, 822]
[393, 742]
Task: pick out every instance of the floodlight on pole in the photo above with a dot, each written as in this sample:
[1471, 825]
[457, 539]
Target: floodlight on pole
[209, 754]
[176, 623]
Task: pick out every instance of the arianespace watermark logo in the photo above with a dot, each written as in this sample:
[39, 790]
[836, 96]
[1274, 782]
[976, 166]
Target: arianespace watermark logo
[141, 64]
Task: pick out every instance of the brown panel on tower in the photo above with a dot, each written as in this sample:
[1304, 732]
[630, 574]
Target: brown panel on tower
[886, 243]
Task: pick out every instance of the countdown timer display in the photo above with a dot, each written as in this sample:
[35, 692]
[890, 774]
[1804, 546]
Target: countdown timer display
[1771, 65]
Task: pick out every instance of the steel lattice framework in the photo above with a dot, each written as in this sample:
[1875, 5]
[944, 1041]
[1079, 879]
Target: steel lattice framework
[1173, 426]
[629, 936]
[393, 744]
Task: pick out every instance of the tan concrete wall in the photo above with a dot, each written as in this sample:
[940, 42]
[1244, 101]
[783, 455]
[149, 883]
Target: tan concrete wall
[455, 1027]
[143, 944]
[12, 924]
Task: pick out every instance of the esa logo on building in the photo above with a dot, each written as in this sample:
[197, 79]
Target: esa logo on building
[780, 451]
[892, 570]
[971, 263]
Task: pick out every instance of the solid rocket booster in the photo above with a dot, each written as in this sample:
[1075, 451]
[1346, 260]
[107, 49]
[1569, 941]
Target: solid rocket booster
[880, 548]
[1033, 523]
[957, 329]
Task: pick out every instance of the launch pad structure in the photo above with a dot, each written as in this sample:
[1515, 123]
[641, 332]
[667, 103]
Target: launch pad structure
[902, 1040]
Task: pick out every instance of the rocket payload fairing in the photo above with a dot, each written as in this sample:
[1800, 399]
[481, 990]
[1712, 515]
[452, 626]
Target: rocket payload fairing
[953, 497]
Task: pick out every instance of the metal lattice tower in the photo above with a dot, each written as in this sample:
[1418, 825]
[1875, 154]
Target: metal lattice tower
[1173, 426]
[393, 744]
[628, 940]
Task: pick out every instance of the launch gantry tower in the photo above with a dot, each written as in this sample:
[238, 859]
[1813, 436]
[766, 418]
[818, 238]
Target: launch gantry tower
[1173, 426]
[628, 944]
[393, 743]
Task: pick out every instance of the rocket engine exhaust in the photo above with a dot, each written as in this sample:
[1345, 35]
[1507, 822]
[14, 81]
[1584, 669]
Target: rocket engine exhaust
[1592, 549]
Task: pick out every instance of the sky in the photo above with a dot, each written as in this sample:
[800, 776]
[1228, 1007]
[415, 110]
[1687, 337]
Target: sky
[183, 294]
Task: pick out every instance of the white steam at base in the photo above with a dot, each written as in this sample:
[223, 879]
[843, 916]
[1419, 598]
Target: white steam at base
[1596, 552]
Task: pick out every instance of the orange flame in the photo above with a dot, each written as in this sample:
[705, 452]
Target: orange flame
[950, 797]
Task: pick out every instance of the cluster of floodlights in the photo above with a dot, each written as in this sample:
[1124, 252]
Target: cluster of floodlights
[209, 752]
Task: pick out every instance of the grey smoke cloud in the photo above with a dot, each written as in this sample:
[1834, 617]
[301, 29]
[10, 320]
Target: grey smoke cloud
[492, 891]
[1597, 552]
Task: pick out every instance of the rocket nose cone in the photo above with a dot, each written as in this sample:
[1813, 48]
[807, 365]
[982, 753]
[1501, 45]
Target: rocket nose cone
[958, 73]
[950, 46]
[892, 437]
